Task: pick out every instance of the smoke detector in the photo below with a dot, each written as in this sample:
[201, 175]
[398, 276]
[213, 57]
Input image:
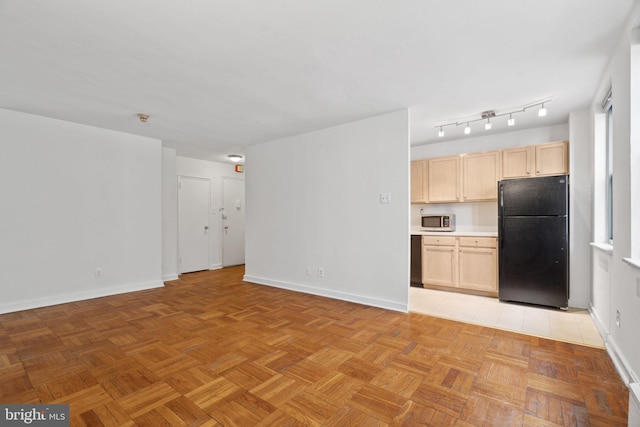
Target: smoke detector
[143, 117]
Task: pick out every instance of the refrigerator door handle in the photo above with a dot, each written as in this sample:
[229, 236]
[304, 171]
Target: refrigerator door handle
[501, 204]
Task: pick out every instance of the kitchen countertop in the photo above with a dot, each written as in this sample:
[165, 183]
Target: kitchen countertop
[455, 233]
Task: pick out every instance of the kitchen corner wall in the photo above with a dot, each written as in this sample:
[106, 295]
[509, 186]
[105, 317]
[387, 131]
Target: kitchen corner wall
[76, 199]
[315, 221]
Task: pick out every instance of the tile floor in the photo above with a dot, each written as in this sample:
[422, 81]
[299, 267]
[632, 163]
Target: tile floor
[573, 325]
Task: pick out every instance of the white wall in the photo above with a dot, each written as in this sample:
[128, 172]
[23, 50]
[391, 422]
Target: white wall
[76, 198]
[620, 279]
[580, 201]
[313, 201]
[215, 172]
[169, 215]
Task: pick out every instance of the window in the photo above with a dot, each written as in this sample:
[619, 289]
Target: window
[608, 109]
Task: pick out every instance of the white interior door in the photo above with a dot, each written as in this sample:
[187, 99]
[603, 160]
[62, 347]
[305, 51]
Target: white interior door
[194, 196]
[232, 222]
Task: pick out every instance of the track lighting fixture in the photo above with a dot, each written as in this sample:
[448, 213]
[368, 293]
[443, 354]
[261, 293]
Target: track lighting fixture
[542, 111]
[489, 114]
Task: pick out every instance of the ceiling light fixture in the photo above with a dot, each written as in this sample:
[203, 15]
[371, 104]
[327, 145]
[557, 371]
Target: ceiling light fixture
[489, 114]
[143, 117]
[542, 111]
[235, 157]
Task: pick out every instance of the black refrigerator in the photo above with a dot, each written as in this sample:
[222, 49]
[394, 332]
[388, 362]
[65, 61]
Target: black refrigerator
[533, 235]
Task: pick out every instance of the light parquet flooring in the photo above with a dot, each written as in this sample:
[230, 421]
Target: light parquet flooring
[210, 349]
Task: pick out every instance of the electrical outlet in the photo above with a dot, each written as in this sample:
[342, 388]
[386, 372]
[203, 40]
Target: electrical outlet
[385, 198]
[320, 272]
[618, 318]
[98, 273]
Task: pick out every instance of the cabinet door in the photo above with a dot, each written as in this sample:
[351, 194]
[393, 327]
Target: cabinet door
[478, 269]
[552, 158]
[419, 181]
[480, 175]
[439, 265]
[443, 179]
[517, 162]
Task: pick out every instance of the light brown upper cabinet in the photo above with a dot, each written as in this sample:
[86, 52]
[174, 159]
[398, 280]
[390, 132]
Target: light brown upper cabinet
[474, 177]
[518, 162]
[536, 160]
[419, 181]
[443, 179]
[552, 159]
[480, 176]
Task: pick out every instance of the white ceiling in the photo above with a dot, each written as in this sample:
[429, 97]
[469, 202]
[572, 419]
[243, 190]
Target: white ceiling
[216, 76]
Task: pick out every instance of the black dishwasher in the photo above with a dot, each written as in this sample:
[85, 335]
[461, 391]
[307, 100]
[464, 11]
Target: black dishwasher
[416, 261]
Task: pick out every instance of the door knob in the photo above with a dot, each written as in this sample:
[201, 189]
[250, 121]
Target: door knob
[206, 227]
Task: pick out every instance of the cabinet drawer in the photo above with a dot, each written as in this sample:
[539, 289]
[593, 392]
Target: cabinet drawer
[478, 242]
[439, 240]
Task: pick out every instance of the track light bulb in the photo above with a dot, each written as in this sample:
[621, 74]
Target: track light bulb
[467, 129]
[440, 132]
[542, 111]
[511, 121]
[487, 125]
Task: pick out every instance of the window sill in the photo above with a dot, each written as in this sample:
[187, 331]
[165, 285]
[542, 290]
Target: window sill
[604, 247]
[633, 262]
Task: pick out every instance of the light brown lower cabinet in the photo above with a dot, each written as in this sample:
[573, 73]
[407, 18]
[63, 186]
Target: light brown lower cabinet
[463, 263]
[478, 262]
[439, 261]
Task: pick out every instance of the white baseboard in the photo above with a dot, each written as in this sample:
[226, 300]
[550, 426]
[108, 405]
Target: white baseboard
[622, 365]
[215, 267]
[170, 277]
[374, 302]
[77, 296]
[634, 405]
[597, 321]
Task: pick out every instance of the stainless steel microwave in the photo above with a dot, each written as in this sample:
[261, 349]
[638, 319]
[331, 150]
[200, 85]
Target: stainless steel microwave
[443, 222]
